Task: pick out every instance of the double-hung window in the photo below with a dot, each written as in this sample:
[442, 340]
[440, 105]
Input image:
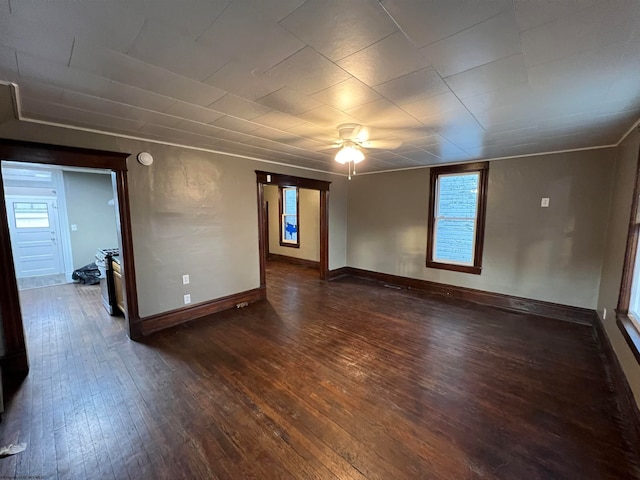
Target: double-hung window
[628, 311]
[634, 297]
[289, 218]
[456, 217]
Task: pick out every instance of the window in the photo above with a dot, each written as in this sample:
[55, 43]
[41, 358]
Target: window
[634, 300]
[456, 217]
[628, 308]
[31, 215]
[289, 221]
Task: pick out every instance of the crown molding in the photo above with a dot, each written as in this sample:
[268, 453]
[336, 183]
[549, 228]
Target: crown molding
[15, 91]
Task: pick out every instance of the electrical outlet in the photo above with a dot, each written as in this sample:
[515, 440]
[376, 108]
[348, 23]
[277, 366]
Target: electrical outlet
[187, 299]
[185, 279]
[604, 314]
[74, 227]
[544, 202]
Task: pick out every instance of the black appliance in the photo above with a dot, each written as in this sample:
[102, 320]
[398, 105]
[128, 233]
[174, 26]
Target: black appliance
[107, 287]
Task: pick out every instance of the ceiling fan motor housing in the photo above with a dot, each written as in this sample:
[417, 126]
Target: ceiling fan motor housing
[346, 130]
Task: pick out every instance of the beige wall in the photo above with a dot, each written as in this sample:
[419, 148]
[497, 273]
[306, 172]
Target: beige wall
[193, 213]
[309, 231]
[552, 254]
[87, 196]
[617, 230]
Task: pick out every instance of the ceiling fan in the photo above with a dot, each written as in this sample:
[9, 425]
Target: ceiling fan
[355, 138]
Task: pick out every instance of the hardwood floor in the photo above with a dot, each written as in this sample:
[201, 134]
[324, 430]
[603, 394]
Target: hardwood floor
[346, 380]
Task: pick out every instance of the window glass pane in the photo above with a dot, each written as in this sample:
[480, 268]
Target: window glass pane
[634, 303]
[454, 241]
[290, 204]
[290, 228]
[458, 195]
[455, 218]
[31, 215]
[13, 175]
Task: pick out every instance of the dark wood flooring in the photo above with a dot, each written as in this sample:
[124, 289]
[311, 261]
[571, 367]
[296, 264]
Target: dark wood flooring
[341, 380]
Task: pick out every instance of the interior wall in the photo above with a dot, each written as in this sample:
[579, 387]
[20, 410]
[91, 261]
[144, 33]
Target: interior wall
[617, 231]
[192, 212]
[87, 197]
[552, 254]
[309, 231]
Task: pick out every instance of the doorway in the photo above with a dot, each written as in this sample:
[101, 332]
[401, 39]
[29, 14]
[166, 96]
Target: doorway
[292, 217]
[266, 178]
[15, 361]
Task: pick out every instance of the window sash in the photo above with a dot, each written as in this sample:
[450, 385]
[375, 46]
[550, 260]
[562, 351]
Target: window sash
[450, 260]
[289, 204]
[289, 217]
[285, 232]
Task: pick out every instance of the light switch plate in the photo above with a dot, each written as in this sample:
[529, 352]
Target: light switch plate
[544, 202]
[185, 279]
[74, 227]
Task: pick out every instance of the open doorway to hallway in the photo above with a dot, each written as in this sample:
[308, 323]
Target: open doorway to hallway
[293, 226]
[288, 232]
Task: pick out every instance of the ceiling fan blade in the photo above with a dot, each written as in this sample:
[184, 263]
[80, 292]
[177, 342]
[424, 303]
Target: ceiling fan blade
[387, 144]
[331, 147]
[360, 134]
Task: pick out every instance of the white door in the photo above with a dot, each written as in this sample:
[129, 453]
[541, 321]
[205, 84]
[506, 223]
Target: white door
[33, 224]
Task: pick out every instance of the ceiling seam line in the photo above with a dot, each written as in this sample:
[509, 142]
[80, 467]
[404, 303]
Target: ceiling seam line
[360, 50]
[480, 66]
[291, 13]
[197, 39]
[464, 29]
[73, 46]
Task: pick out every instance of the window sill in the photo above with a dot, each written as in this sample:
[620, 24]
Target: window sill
[455, 268]
[630, 334]
[290, 245]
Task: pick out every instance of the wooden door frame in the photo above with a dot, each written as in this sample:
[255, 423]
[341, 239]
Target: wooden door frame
[280, 180]
[15, 362]
[266, 230]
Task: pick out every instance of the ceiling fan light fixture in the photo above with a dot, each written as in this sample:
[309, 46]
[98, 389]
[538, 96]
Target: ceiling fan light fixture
[349, 153]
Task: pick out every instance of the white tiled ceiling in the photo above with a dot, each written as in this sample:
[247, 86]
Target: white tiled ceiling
[335, 27]
[307, 71]
[486, 42]
[442, 80]
[380, 62]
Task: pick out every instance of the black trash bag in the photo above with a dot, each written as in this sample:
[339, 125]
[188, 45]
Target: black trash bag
[89, 274]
